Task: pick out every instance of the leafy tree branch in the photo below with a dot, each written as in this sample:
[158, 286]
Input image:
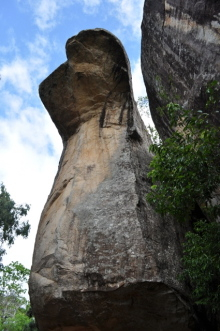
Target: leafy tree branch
[185, 172]
[10, 219]
[14, 306]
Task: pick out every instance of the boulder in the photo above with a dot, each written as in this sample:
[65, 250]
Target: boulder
[103, 259]
[180, 54]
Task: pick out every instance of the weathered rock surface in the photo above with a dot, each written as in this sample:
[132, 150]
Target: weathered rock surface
[103, 259]
[180, 53]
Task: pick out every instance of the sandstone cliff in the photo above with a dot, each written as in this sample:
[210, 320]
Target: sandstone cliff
[103, 259]
[180, 53]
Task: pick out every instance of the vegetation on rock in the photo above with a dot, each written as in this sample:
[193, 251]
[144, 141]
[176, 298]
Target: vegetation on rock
[201, 261]
[186, 178]
[185, 169]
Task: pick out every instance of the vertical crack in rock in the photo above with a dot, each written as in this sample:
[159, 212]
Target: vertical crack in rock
[103, 259]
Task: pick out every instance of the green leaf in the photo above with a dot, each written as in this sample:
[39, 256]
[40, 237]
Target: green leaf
[186, 172]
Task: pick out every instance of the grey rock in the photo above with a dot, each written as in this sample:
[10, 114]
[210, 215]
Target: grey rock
[103, 259]
[180, 54]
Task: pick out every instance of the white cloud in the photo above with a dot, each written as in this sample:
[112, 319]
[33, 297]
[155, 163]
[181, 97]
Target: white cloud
[17, 73]
[91, 6]
[39, 57]
[30, 146]
[9, 103]
[10, 45]
[27, 166]
[24, 73]
[45, 11]
[91, 3]
[137, 79]
[140, 91]
[129, 13]
[38, 46]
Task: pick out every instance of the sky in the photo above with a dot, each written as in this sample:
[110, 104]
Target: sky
[33, 34]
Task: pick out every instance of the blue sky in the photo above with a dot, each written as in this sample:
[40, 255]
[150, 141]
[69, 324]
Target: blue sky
[33, 34]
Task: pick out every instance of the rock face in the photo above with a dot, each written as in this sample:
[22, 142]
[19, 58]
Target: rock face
[103, 259]
[180, 53]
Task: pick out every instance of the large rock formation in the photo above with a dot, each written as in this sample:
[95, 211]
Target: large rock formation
[180, 53]
[103, 259]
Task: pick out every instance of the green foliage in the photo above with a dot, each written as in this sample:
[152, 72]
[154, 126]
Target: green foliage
[186, 173]
[185, 169]
[10, 215]
[16, 323]
[212, 93]
[202, 263]
[11, 279]
[14, 306]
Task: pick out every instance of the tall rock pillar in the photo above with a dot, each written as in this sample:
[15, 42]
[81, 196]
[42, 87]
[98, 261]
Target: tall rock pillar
[103, 259]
